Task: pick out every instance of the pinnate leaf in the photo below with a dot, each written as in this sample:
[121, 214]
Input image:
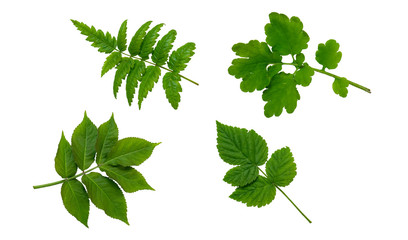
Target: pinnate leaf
[242, 175]
[340, 86]
[328, 55]
[133, 77]
[148, 42]
[180, 57]
[281, 168]
[286, 36]
[108, 135]
[137, 39]
[128, 178]
[252, 67]
[163, 47]
[122, 36]
[172, 87]
[303, 76]
[130, 152]
[64, 159]
[123, 69]
[258, 193]
[104, 42]
[83, 143]
[75, 199]
[150, 77]
[111, 61]
[105, 194]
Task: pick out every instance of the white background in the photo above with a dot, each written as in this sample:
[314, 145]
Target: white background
[350, 153]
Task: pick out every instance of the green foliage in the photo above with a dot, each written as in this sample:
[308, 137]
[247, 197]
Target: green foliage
[131, 66]
[260, 64]
[248, 150]
[114, 157]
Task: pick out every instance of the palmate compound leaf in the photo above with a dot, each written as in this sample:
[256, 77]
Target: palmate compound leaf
[111, 61]
[106, 195]
[128, 178]
[172, 88]
[108, 135]
[340, 86]
[149, 40]
[134, 76]
[75, 199]
[64, 159]
[104, 42]
[83, 143]
[328, 55]
[148, 80]
[179, 58]
[252, 67]
[123, 69]
[137, 39]
[281, 93]
[258, 193]
[284, 35]
[122, 36]
[281, 167]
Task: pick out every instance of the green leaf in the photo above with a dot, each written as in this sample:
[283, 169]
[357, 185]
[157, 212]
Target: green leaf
[300, 59]
[111, 61]
[134, 76]
[130, 152]
[128, 178]
[252, 67]
[180, 57]
[303, 76]
[172, 87]
[106, 195]
[83, 143]
[108, 135]
[163, 47]
[328, 55]
[75, 199]
[137, 39]
[259, 193]
[281, 168]
[104, 42]
[64, 159]
[122, 36]
[340, 86]
[123, 69]
[150, 77]
[238, 146]
[281, 93]
[286, 36]
[148, 42]
[242, 175]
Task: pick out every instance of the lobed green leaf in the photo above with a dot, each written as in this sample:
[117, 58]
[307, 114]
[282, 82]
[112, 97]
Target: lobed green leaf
[328, 55]
[135, 75]
[111, 61]
[137, 39]
[242, 175]
[172, 87]
[281, 167]
[163, 47]
[108, 135]
[64, 159]
[148, 80]
[123, 69]
[104, 42]
[340, 86]
[75, 199]
[303, 76]
[128, 178]
[180, 57]
[122, 36]
[148, 42]
[259, 193]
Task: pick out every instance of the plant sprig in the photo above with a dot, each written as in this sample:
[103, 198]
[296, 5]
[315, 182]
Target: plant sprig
[260, 65]
[132, 65]
[112, 156]
[247, 151]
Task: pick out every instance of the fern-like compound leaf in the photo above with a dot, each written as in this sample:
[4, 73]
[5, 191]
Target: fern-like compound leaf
[111, 61]
[122, 37]
[75, 199]
[134, 76]
[259, 193]
[123, 69]
[150, 77]
[179, 58]
[83, 143]
[281, 168]
[104, 42]
[108, 135]
[64, 160]
[340, 86]
[163, 47]
[137, 39]
[128, 178]
[149, 41]
[172, 88]
[328, 54]
[105, 194]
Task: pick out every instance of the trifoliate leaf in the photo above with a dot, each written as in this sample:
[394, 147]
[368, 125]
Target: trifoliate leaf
[104, 43]
[281, 168]
[111, 61]
[137, 39]
[238, 146]
[123, 69]
[286, 36]
[172, 87]
[75, 199]
[281, 93]
[122, 36]
[340, 86]
[163, 47]
[83, 143]
[105, 194]
[64, 159]
[242, 175]
[252, 67]
[179, 58]
[303, 76]
[130, 152]
[133, 77]
[128, 178]
[150, 77]
[148, 42]
[328, 55]
[108, 134]
[258, 193]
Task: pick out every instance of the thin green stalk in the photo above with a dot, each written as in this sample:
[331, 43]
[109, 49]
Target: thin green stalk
[138, 58]
[66, 179]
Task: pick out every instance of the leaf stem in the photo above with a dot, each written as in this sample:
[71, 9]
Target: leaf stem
[167, 69]
[66, 179]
